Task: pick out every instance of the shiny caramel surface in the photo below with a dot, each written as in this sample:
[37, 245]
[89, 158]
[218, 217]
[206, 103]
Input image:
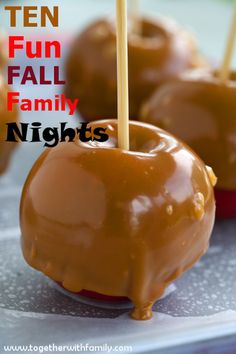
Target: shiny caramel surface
[6, 148]
[163, 51]
[200, 110]
[120, 223]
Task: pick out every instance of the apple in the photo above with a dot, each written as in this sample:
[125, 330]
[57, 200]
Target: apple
[118, 223]
[163, 50]
[199, 109]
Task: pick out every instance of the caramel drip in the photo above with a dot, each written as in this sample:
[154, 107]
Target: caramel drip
[212, 176]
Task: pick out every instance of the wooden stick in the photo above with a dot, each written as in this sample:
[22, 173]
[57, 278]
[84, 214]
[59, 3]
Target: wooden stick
[135, 17]
[224, 73]
[122, 74]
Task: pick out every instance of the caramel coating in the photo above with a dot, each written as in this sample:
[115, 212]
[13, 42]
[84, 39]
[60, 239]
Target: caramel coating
[6, 148]
[200, 110]
[119, 223]
[164, 50]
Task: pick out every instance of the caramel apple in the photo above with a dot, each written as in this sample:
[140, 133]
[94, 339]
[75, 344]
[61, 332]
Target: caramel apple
[6, 148]
[200, 109]
[163, 50]
[116, 222]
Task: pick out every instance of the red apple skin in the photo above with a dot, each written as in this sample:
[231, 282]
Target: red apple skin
[101, 297]
[226, 204]
[115, 222]
[200, 110]
[6, 148]
[164, 51]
